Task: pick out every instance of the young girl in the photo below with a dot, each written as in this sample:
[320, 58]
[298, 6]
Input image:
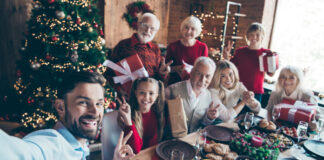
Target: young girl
[226, 87]
[289, 86]
[247, 61]
[145, 114]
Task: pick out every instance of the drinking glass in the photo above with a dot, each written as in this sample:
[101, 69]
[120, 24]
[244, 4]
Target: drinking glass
[301, 130]
[200, 142]
[248, 120]
[319, 126]
[276, 113]
[177, 154]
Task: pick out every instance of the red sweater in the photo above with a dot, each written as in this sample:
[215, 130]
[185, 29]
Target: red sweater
[247, 63]
[177, 52]
[150, 135]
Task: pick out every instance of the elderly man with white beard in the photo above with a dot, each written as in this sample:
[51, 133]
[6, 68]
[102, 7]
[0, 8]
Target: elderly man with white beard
[140, 44]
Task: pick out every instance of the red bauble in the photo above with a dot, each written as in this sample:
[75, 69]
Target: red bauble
[18, 73]
[101, 32]
[54, 38]
[50, 1]
[95, 25]
[134, 14]
[48, 57]
[78, 20]
[112, 105]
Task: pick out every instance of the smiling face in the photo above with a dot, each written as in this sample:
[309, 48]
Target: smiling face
[200, 77]
[83, 110]
[227, 78]
[147, 29]
[146, 94]
[189, 32]
[255, 39]
[289, 82]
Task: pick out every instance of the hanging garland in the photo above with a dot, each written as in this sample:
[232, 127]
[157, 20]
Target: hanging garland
[133, 11]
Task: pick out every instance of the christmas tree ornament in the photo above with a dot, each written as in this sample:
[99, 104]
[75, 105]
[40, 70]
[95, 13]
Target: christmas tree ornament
[35, 66]
[103, 41]
[101, 32]
[95, 25]
[99, 47]
[50, 1]
[78, 20]
[55, 38]
[60, 15]
[86, 48]
[90, 29]
[48, 56]
[74, 57]
[22, 48]
[18, 73]
[72, 12]
[36, 6]
[68, 17]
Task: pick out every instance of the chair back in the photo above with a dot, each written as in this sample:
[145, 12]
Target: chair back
[110, 134]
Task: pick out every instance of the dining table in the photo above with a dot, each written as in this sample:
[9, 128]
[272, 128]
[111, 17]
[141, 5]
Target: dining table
[150, 153]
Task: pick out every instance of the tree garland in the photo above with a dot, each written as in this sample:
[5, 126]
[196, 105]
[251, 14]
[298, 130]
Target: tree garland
[133, 9]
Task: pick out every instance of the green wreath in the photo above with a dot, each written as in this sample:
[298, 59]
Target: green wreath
[132, 12]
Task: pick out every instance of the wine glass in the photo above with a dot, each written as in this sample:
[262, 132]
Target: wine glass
[248, 120]
[301, 130]
[276, 113]
[319, 126]
[200, 142]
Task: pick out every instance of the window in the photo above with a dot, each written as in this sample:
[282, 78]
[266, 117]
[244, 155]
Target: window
[298, 37]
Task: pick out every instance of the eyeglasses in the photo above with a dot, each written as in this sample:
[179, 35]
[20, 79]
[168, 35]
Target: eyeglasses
[147, 26]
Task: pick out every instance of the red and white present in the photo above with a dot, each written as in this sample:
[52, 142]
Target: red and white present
[268, 62]
[186, 70]
[127, 70]
[295, 111]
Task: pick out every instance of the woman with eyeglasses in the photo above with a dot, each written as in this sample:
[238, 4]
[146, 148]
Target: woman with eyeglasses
[186, 50]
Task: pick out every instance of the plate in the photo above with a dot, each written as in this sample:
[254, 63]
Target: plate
[219, 133]
[285, 141]
[164, 149]
[315, 147]
[243, 157]
[293, 137]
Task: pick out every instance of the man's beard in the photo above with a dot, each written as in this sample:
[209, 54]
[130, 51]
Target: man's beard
[145, 39]
[76, 130]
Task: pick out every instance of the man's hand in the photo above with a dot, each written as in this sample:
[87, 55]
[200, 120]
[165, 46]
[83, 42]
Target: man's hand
[125, 112]
[123, 151]
[227, 50]
[212, 112]
[165, 68]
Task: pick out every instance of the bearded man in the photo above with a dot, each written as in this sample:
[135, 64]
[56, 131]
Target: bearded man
[140, 44]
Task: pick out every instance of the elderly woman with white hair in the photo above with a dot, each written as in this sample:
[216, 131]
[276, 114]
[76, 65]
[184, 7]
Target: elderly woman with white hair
[187, 49]
[290, 86]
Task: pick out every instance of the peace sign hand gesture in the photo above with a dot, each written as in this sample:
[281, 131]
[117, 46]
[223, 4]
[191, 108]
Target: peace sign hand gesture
[125, 111]
[123, 151]
[227, 50]
[165, 68]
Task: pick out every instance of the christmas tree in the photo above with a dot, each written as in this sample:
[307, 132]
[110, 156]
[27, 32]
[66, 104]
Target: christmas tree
[62, 36]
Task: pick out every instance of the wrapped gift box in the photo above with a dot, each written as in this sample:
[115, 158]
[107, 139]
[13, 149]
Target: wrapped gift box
[127, 70]
[186, 71]
[269, 62]
[178, 118]
[295, 111]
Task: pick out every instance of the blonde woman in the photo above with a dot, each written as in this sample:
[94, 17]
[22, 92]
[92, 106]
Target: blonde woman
[145, 114]
[290, 85]
[187, 49]
[226, 87]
